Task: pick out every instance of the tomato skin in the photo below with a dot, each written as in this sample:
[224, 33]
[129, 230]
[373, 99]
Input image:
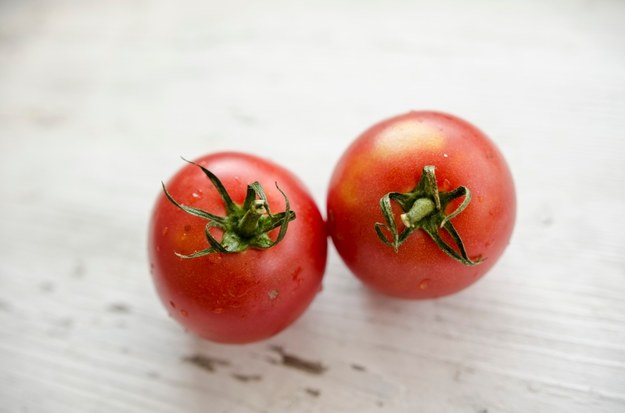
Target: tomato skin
[389, 157]
[235, 297]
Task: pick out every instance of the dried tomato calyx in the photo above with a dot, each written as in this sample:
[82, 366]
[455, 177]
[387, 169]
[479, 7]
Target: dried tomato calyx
[244, 226]
[424, 208]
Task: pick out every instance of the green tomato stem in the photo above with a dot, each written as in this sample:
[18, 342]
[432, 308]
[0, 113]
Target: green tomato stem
[248, 225]
[421, 208]
[425, 209]
[244, 226]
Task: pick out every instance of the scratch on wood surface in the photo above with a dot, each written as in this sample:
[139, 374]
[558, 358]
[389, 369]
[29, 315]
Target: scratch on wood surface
[119, 308]
[246, 378]
[205, 362]
[358, 367]
[298, 363]
[313, 392]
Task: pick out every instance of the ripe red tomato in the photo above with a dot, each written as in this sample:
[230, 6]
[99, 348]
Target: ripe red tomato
[234, 285]
[421, 205]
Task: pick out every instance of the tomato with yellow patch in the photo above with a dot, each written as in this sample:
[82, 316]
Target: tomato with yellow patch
[390, 157]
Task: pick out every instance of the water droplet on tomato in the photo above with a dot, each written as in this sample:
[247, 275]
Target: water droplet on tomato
[218, 310]
[237, 179]
[215, 257]
[424, 284]
[445, 186]
[184, 313]
[165, 229]
[158, 248]
[173, 305]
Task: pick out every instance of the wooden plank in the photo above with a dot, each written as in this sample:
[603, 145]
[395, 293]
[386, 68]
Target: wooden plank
[99, 99]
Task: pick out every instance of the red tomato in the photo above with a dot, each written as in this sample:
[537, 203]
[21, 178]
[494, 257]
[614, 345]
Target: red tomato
[236, 297]
[390, 158]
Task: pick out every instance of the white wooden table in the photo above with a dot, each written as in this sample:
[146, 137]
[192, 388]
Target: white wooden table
[99, 99]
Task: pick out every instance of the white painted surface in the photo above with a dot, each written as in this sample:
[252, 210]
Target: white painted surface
[98, 100]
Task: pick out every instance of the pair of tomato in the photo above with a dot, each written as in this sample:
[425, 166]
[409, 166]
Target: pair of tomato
[419, 206]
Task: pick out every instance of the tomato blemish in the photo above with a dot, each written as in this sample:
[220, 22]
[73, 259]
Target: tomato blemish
[273, 294]
[296, 276]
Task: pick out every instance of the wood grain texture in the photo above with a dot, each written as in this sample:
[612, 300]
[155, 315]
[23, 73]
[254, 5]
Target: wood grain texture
[99, 99]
